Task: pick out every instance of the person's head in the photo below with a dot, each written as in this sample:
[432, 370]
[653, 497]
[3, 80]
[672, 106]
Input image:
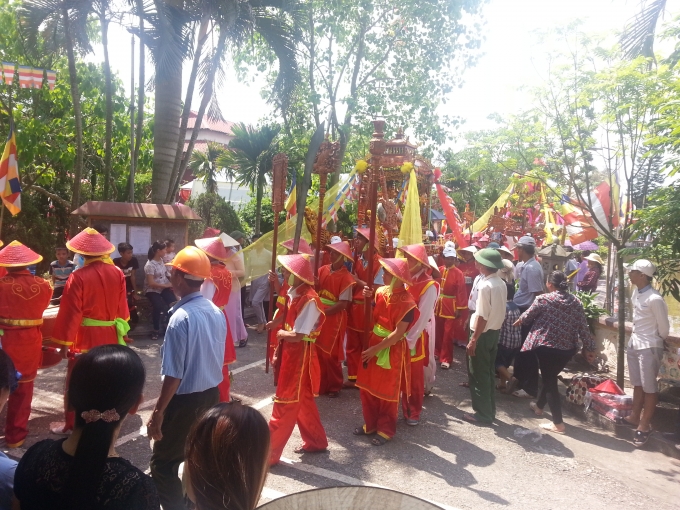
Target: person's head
[641, 273]
[297, 269]
[125, 251]
[157, 250]
[360, 243]
[449, 254]
[339, 252]
[62, 254]
[488, 261]
[511, 291]
[227, 457]
[239, 236]
[8, 378]
[106, 385]
[190, 267]
[18, 257]
[416, 256]
[557, 281]
[169, 245]
[595, 262]
[468, 253]
[526, 248]
[585, 253]
[102, 229]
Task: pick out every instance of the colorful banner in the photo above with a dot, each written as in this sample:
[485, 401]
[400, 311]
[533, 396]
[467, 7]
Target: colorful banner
[448, 209]
[29, 77]
[10, 186]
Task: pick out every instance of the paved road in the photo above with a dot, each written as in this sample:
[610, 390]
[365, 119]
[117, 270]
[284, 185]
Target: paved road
[444, 460]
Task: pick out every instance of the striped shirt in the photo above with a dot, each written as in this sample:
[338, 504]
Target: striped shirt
[61, 273]
[193, 350]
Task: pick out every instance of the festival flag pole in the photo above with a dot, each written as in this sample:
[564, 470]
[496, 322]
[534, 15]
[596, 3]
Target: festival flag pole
[377, 149]
[326, 162]
[279, 170]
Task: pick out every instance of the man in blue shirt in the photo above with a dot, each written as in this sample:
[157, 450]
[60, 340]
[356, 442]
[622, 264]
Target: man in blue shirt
[192, 357]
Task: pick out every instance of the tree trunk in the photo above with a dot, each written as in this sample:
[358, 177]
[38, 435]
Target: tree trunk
[258, 203]
[78, 118]
[620, 353]
[142, 85]
[109, 103]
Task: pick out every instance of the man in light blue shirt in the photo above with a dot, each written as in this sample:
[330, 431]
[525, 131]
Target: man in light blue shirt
[192, 357]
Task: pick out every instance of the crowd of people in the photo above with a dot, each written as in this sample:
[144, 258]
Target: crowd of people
[516, 326]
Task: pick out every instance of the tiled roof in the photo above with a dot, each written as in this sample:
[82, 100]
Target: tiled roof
[206, 123]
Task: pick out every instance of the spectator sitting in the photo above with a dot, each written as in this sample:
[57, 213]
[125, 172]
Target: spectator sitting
[157, 287]
[510, 340]
[227, 455]
[83, 471]
[129, 265]
[590, 279]
[60, 270]
[8, 383]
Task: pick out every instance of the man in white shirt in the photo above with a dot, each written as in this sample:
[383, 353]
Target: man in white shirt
[485, 324]
[645, 348]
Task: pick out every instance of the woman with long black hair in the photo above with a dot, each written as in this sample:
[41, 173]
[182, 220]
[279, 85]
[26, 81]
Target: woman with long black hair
[83, 471]
[157, 286]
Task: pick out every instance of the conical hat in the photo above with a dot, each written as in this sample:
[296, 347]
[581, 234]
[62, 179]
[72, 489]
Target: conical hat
[366, 234]
[299, 265]
[210, 232]
[608, 386]
[1, 243]
[16, 254]
[213, 247]
[397, 268]
[416, 252]
[228, 241]
[343, 249]
[303, 246]
[91, 243]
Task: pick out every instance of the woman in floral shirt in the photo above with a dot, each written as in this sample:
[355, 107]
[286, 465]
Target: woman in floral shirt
[558, 323]
[590, 279]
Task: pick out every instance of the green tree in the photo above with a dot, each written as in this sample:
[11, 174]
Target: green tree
[204, 165]
[215, 212]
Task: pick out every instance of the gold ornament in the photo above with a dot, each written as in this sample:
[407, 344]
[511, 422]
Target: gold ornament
[406, 167]
[361, 166]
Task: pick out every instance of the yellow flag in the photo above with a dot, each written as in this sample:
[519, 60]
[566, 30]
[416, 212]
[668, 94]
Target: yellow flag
[411, 226]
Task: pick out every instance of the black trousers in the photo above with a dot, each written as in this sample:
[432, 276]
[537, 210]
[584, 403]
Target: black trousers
[552, 362]
[168, 453]
[526, 365]
[160, 303]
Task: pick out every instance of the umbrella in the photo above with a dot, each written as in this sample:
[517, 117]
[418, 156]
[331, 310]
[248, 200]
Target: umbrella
[436, 215]
[586, 245]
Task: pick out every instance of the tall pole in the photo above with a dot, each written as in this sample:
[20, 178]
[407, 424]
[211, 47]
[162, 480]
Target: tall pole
[377, 149]
[131, 197]
[327, 161]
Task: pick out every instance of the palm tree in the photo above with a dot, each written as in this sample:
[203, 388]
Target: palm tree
[204, 165]
[63, 26]
[250, 158]
[638, 36]
[102, 9]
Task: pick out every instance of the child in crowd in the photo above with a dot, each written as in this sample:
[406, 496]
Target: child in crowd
[129, 265]
[510, 340]
[60, 270]
[169, 251]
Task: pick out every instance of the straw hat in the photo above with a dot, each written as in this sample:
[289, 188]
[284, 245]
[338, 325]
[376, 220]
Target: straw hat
[366, 234]
[471, 249]
[397, 268]
[228, 241]
[594, 257]
[416, 252]
[303, 247]
[299, 265]
[213, 247]
[16, 254]
[507, 250]
[91, 243]
[342, 248]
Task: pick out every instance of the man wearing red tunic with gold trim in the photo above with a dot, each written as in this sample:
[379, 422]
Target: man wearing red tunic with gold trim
[449, 305]
[424, 291]
[388, 366]
[23, 299]
[335, 292]
[298, 381]
[355, 315]
[218, 289]
[470, 272]
[93, 309]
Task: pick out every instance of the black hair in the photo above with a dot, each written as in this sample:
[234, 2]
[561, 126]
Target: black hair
[102, 229]
[8, 373]
[106, 378]
[168, 242]
[155, 247]
[123, 247]
[60, 248]
[529, 249]
[194, 284]
[559, 280]
[511, 290]
[585, 253]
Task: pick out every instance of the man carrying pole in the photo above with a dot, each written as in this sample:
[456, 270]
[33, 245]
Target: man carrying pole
[452, 300]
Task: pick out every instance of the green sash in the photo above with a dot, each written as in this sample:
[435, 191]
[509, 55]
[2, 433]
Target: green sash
[122, 327]
[383, 355]
[328, 302]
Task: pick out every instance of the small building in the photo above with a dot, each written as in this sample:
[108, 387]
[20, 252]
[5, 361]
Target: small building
[140, 225]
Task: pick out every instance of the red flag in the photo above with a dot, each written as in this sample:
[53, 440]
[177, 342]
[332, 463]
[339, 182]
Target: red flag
[447, 209]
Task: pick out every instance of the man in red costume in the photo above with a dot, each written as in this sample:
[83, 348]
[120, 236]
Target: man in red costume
[298, 380]
[218, 289]
[23, 299]
[355, 316]
[424, 291]
[93, 309]
[335, 292]
[388, 367]
[3, 271]
[470, 272]
[451, 302]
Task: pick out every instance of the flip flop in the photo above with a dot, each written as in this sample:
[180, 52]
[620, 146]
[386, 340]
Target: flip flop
[378, 441]
[300, 449]
[640, 438]
[359, 431]
[550, 427]
[521, 394]
[537, 410]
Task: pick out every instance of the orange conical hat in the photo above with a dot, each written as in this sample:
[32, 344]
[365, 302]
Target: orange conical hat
[16, 254]
[91, 243]
[299, 265]
[303, 247]
[416, 252]
[343, 249]
[212, 247]
[397, 268]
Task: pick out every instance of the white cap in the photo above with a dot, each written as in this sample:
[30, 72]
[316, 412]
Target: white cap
[471, 249]
[526, 241]
[449, 249]
[644, 266]
[429, 233]
[335, 239]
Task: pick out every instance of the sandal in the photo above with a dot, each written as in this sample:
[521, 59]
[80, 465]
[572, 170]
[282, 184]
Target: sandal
[154, 335]
[300, 450]
[360, 431]
[537, 410]
[378, 441]
[521, 394]
[471, 418]
[550, 427]
[333, 394]
[640, 438]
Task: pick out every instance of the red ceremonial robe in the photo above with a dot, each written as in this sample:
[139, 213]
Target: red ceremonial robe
[452, 297]
[298, 382]
[221, 278]
[470, 272]
[280, 309]
[330, 341]
[23, 299]
[380, 386]
[355, 316]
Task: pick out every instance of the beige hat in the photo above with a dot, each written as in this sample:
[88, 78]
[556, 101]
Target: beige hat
[471, 249]
[594, 257]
